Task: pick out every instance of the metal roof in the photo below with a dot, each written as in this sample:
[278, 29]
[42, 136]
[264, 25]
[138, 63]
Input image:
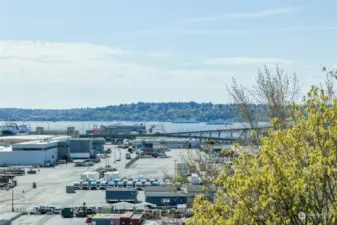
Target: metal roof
[120, 189]
[160, 189]
[165, 194]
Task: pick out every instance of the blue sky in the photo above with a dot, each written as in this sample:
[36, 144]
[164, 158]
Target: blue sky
[81, 53]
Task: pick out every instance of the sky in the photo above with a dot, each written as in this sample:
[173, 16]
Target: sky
[83, 53]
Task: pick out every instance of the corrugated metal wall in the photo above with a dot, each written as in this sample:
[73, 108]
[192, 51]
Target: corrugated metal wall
[28, 157]
[81, 146]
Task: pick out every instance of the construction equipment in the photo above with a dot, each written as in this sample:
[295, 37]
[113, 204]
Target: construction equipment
[67, 213]
[31, 171]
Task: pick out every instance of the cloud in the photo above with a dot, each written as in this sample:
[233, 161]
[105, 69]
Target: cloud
[207, 32]
[77, 65]
[234, 61]
[245, 15]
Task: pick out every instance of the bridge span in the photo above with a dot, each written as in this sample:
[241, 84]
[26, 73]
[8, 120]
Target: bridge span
[226, 135]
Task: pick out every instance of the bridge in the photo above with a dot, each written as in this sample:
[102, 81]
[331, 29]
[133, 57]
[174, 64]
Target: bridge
[227, 135]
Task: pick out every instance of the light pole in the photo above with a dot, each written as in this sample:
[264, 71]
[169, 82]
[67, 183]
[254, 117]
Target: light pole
[175, 168]
[12, 199]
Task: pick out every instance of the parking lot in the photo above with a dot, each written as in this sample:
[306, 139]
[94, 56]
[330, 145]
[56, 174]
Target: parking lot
[52, 182]
[56, 220]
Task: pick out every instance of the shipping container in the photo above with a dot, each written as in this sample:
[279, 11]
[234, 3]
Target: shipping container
[115, 219]
[106, 219]
[125, 218]
[136, 219]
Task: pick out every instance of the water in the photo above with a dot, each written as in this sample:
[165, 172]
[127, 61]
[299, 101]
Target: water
[82, 126]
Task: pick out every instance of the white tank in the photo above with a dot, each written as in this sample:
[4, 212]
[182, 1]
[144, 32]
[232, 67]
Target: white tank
[85, 176]
[93, 175]
[110, 176]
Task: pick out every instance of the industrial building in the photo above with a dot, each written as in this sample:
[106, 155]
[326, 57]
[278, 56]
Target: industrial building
[9, 140]
[165, 196]
[121, 194]
[194, 190]
[86, 147]
[81, 148]
[98, 145]
[37, 152]
[166, 199]
[46, 149]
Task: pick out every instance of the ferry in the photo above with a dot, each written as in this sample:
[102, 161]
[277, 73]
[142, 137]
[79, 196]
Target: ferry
[14, 129]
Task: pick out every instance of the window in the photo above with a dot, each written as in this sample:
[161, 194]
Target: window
[165, 200]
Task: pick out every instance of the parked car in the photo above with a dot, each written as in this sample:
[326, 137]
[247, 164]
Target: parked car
[120, 184]
[43, 210]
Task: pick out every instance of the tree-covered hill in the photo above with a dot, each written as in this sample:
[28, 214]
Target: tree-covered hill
[141, 111]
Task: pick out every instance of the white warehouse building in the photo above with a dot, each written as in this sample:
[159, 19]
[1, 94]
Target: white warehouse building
[37, 152]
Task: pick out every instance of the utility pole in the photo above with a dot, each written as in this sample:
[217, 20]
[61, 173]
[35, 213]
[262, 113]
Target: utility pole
[12, 199]
[175, 168]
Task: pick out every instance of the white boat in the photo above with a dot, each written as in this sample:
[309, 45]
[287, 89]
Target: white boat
[24, 128]
[10, 129]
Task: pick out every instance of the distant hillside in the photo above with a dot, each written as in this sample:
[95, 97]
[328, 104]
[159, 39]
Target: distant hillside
[172, 111]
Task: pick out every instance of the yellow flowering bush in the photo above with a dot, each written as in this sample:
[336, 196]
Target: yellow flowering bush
[292, 180]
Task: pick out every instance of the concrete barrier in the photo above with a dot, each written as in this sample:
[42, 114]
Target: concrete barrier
[128, 164]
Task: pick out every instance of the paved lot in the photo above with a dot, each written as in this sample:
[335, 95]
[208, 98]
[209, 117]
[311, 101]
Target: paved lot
[47, 220]
[52, 182]
[57, 220]
[155, 167]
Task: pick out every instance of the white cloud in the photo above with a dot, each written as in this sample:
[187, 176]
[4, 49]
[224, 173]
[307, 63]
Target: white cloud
[41, 74]
[234, 61]
[245, 15]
